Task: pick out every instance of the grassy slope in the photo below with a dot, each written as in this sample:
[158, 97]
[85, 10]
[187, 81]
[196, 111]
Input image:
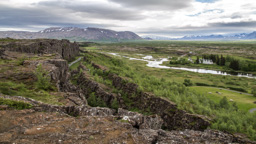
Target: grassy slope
[244, 102]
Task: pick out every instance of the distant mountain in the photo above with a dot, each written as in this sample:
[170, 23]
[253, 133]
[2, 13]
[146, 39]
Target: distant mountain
[153, 37]
[147, 38]
[74, 34]
[242, 36]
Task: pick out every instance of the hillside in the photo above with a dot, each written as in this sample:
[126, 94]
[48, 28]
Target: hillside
[96, 100]
[74, 34]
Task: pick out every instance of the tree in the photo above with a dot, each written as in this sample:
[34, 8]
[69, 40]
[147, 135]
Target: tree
[217, 60]
[222, 60]
[234, 64]
[197, 60]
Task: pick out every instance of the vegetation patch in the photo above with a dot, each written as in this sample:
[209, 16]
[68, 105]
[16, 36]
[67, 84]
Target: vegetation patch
[43, 79]
[20, 89]
[15, 104]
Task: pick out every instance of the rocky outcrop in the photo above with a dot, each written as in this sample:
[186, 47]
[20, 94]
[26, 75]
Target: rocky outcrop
[172, 116]
[54, 68]
[88, 86]
[31, 126]
[174, 119]
[64, 48]
[141, 121]
[137, 120]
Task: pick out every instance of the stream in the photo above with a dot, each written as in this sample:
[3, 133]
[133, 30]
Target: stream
[157, 63]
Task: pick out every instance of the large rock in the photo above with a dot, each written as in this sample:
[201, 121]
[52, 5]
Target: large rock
[64, 48]
[141, 121]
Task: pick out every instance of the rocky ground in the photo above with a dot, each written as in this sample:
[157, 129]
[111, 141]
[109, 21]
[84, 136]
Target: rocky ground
[83, 124]
[61, 114]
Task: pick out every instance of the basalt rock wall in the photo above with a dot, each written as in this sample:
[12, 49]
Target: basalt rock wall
[64, 48]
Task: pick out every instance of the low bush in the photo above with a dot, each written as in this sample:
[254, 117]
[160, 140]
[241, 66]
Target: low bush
[15, 104]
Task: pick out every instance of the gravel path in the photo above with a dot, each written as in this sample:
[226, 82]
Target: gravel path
[74, 62]
[252, 110]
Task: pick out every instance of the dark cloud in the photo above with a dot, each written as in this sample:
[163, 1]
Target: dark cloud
[236, 16]
[32, 17]
[96, 10]
[242, 24]
[211, 28]
[158, 5]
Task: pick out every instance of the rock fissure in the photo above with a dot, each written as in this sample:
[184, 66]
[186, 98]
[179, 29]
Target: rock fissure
[172, 116]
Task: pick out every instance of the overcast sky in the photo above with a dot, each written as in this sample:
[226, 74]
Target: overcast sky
[172, 18]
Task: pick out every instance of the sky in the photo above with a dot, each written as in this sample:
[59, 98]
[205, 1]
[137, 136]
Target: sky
[172, 18]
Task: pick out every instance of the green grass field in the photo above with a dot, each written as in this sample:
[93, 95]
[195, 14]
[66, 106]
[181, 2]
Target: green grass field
[244, 102]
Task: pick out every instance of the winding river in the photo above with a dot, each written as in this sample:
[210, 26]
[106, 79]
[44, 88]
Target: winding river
[157, 63]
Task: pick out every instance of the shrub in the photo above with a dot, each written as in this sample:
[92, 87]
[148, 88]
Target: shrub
[187, 82]
[43, 79]
[95, 101]
[115, 104]
[224, 103]
[15, 104]
[20, 61]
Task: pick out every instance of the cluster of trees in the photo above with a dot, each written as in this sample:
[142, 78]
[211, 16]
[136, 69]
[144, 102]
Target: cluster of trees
[219, 60]
[229, 61]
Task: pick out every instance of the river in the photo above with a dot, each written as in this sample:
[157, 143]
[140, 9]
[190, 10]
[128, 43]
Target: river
[157, 63]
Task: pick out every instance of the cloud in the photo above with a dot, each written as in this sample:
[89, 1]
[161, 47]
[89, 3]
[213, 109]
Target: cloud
[206, 1]
[158, 5]
[102, 10]
[217, 11]
[234, 24]
[211, 28]
[168, 17]
[34, 17]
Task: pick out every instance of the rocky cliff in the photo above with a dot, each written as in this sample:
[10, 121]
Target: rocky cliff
[44, 46]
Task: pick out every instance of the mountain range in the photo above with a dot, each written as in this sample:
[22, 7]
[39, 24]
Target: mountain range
[241, 36]
[73, 34]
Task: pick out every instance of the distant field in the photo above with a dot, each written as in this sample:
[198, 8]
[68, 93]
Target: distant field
[246, 49]
[244, 102]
